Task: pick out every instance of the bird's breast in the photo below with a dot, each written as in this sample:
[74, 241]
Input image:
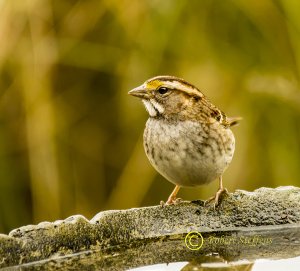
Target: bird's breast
[188, 153]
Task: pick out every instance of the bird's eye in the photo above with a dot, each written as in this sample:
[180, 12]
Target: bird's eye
[163, 90]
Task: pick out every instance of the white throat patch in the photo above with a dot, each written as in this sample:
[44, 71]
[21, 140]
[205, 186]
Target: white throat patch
[153, 107]
[157, 106]
[149, 108]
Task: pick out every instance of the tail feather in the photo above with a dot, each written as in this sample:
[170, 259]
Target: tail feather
[232, 121]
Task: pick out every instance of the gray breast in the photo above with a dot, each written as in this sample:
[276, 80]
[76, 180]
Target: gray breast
[187, 153]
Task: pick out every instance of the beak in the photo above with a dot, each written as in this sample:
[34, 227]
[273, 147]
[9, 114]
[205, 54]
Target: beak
[140, 92]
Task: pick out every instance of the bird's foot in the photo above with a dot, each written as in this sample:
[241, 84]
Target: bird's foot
[170, 201]
[216, 198]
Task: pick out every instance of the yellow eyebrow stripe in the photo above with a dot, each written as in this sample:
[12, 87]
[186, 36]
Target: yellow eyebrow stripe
[154, 84]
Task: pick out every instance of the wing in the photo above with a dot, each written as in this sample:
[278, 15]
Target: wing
[221, 117]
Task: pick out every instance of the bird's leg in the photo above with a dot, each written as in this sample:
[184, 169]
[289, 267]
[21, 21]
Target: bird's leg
[172, 198]
[220, 191]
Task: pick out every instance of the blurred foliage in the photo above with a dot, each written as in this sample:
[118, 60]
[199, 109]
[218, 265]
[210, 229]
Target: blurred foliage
[71, 137]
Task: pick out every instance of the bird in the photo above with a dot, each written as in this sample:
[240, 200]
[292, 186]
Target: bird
[187, 139]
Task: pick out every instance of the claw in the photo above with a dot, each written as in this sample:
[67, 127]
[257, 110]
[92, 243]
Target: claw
[172, 200]
[217, 196]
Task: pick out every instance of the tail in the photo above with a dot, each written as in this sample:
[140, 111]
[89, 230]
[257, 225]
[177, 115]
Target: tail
[233, 121]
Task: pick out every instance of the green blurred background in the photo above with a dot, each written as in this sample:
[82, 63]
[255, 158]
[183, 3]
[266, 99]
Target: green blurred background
[71, 137]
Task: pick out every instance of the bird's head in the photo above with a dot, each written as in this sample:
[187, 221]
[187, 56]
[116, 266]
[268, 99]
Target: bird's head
[165, 96]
